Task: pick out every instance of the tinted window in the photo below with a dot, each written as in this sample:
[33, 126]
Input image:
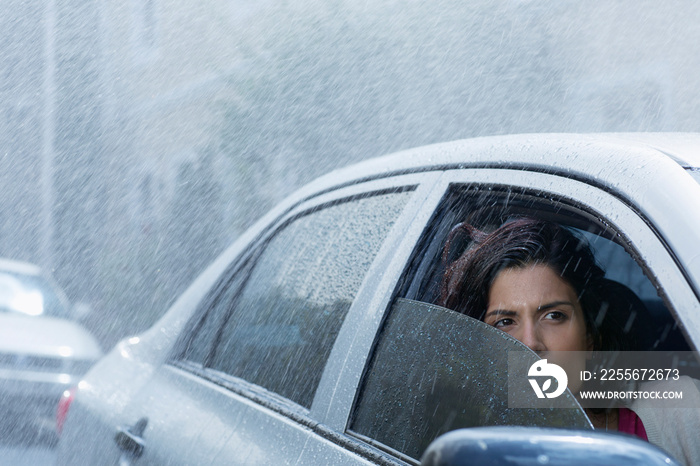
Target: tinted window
[282, 320]
[199, 346]
[435, 370]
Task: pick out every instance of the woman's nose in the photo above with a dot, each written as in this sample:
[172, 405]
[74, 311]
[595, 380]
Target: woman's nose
[529, 336]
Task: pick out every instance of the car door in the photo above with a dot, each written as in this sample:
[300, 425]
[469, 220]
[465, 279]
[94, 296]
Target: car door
[240, 386]
[404, 400]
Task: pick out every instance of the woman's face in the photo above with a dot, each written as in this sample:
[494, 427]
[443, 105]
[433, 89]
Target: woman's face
[536, 306]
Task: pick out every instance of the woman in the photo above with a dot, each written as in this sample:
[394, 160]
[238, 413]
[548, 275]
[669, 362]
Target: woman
[540, 283]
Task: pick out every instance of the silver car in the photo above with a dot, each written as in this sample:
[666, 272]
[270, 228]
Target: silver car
[43, 351]
[313, 339]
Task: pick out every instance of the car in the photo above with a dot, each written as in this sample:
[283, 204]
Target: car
[43, 351]
[315, 338]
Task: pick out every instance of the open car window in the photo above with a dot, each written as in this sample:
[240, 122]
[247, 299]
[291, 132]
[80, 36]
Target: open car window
[644, 317]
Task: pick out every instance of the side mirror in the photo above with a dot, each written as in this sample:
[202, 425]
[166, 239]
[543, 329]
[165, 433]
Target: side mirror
[531, 445]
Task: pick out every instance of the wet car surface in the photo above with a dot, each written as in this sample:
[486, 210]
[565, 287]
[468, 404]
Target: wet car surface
[314, 338]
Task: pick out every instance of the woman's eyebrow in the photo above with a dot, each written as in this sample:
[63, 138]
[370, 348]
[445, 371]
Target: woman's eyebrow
[501, 312]
[548, 306]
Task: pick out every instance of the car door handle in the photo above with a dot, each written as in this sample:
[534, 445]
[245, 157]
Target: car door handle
[129, 439]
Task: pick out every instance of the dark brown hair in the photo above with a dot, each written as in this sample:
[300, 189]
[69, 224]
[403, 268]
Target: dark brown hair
[519, 243]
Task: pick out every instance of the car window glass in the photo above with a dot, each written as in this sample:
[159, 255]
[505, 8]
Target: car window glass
[281, 325]
[199, 345]
[435, 370]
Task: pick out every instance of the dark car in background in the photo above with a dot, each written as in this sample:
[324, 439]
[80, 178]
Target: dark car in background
[314, 338]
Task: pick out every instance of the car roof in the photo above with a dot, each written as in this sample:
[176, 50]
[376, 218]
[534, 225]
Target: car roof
[619, 162]
[552, 151]
[20, 267]
[683, 148]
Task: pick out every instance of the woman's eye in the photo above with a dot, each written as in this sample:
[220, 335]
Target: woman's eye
[555, 315]
[503, 323]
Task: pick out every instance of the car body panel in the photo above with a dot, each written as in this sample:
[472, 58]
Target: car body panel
[320, 450]
[207, 419]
